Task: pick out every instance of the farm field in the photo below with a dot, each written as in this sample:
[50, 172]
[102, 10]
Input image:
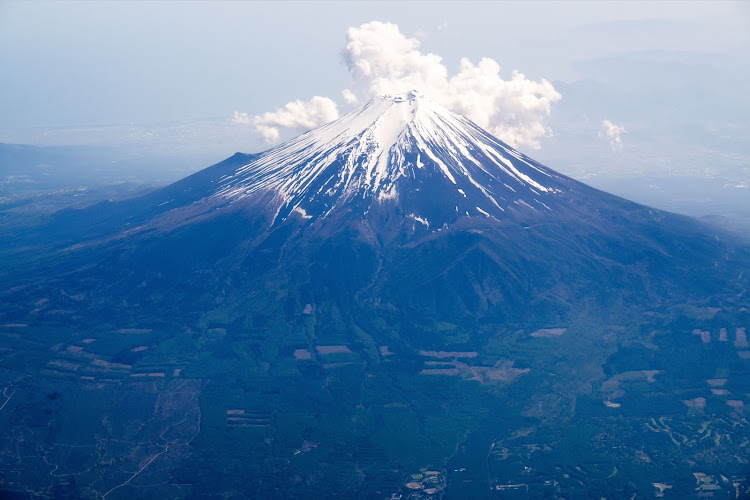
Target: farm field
[648, 409]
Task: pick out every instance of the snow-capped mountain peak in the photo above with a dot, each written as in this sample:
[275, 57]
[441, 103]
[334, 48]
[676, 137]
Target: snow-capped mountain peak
[391, 148]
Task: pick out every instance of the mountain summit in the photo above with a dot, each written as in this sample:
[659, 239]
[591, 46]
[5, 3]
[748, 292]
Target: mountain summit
[394, 147]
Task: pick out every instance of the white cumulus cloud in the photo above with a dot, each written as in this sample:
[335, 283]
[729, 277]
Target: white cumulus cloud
[296, 115]
[379, 56]
[349, 96]
[611, 133]
[382, 60]
[241, 118]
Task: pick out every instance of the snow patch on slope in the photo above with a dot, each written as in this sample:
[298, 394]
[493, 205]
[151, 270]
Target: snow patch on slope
[419, 219]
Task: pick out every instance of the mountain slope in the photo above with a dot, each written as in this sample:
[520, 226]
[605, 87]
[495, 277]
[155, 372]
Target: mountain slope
[399, 180]
[392, 293]
[413, 200]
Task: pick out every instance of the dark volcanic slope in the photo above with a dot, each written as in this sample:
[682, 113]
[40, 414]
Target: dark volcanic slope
[400, 202]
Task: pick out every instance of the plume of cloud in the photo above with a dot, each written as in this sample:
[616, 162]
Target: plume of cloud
[296, 115]
[379, 56]
[611, 133]
[384, 61]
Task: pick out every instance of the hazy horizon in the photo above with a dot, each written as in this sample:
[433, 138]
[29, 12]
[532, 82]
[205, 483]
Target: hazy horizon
[635, 91]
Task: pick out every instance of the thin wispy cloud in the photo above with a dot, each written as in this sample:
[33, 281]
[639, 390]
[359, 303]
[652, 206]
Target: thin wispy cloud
[612, 133]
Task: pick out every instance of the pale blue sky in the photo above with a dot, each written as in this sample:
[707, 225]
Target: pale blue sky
[91, 63]
[164, 78]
